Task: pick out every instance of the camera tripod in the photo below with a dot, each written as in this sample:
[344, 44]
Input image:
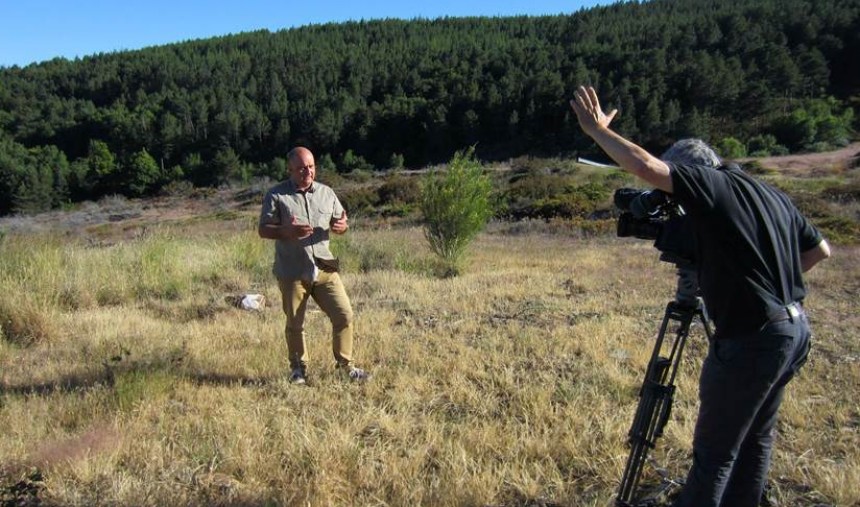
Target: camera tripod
[655, 396]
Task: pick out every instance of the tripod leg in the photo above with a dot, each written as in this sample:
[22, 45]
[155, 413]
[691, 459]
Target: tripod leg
[655, 399]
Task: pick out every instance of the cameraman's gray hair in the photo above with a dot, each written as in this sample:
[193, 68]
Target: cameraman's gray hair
[693, 152]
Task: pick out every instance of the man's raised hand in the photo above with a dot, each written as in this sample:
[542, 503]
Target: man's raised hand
[339, 225]
[296, 230]
[587, 108]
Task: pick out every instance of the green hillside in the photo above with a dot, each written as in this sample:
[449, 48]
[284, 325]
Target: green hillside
[751, 76]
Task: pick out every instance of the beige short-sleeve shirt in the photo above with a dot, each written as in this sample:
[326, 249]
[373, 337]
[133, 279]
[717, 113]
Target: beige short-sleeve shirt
[294, 259]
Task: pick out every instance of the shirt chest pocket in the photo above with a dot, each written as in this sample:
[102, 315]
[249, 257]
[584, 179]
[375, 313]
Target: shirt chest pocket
[321, 214]
[290, 209]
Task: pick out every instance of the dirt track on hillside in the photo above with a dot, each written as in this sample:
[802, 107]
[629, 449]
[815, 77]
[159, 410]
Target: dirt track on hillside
[814, 164]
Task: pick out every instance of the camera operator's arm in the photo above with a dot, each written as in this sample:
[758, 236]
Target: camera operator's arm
[629, 156]
[811, 257]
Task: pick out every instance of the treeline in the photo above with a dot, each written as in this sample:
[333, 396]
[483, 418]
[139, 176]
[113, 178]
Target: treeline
[764, 76]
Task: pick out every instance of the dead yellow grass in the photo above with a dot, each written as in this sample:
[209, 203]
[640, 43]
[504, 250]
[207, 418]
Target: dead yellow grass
[513, 384]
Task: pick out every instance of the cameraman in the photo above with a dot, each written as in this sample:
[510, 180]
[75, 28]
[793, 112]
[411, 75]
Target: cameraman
[752, 246]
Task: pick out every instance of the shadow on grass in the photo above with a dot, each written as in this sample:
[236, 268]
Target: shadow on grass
[108, 376]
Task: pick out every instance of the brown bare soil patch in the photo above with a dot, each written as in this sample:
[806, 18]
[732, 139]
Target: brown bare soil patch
[93, 441]
[813, 164]
[116, 218]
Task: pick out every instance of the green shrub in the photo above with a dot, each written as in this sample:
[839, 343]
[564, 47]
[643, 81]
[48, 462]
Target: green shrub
[178, 188]
[761, 145]
[779, 150]
[731, 148]
[525, 164]
[567, 206]
[550, 196]
[358, 176]
[594, 191]
[396, 210]
[536, 186]
[351, 162]
[399, 190]
[324, 163]
[820, 147]
[530, 194]
[396, 161]
[358, 200]
[331, 178]
[456, 207]
[816, 124]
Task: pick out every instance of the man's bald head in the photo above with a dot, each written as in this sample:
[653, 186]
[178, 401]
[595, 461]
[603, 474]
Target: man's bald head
[297, 153]
[302, 167]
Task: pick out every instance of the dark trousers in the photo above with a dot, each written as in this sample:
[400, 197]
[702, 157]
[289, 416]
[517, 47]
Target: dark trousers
[741, 388]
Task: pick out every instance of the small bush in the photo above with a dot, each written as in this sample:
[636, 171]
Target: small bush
[779, 151]
[731, 148]
[566, 206]
[820, 147]
[358, 176]
[396, 210]
[178, 188]
[545, 197]
[765, 145]
[524, 165]
[352, 162]
[396, 161]
[534, 186]
[399, 190]
[358, 200]
[456, 207]
[331, 178]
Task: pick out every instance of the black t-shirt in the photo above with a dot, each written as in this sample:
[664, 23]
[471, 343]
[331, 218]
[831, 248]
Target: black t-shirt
[749, 239]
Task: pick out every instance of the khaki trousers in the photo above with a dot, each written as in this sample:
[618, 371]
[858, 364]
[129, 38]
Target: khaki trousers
[330, 295]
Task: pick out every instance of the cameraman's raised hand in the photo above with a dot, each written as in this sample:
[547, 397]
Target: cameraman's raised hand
[628, 155]
[587, 108]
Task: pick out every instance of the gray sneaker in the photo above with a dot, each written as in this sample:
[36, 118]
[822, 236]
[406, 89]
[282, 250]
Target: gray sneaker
[297, 376]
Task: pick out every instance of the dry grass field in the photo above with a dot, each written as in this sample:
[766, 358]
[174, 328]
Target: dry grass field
[128, 378]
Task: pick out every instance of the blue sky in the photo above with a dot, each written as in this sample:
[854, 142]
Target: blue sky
[38, 30]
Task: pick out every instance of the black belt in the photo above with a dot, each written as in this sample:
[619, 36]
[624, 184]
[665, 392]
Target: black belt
[788, 312]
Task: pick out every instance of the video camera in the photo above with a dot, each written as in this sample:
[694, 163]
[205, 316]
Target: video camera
[652, 214]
